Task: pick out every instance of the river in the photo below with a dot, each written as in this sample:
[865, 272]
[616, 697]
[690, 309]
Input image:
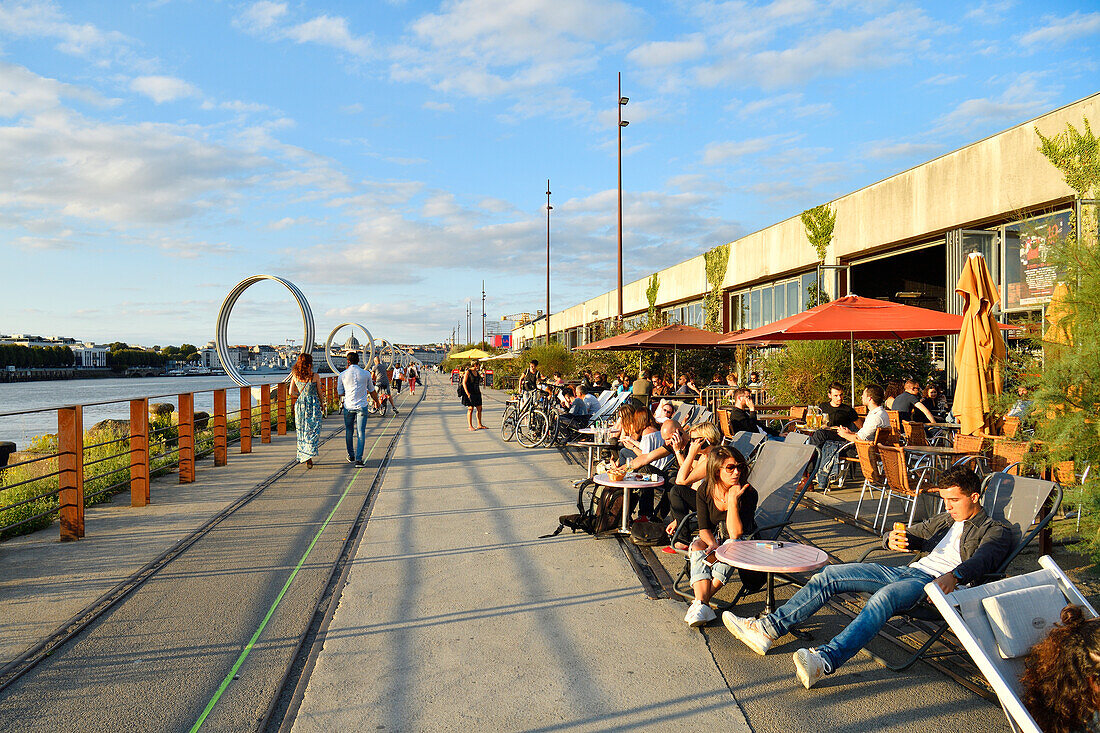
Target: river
[19, 396]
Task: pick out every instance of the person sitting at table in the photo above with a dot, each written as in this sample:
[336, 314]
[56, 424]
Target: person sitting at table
[686, 385]
[963, 545]
[1061, 679]
[1023, 404]
[642, 389]
[600, 383]
[584, 403]
[692, 470]
[743, 414]
[659, 387]
[726, 506]
[837, 414]
[876, 416]
[643, 450]
[931, 401]
[892, 389]
[908, 404]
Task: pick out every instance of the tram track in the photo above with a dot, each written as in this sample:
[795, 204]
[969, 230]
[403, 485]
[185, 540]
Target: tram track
[300, 661]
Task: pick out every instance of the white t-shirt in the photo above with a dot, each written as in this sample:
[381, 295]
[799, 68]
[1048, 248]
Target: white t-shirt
[398, 374]
[946, 556]
[652, 442]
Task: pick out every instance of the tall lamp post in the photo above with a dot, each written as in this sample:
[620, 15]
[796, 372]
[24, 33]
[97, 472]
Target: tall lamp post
[548, 208]
[622, 123]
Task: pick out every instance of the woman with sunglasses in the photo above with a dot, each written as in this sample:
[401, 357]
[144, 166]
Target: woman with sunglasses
[693, 471]
[726, 506]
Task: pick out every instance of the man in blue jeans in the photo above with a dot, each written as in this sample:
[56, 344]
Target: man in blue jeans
[963, 545]
[356, 386]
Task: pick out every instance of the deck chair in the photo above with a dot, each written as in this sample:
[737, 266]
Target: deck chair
[701, 416]
[781, 474]
[747, 443]
[1017, 501]
[796, 438]
[683, 414]
[981, 618]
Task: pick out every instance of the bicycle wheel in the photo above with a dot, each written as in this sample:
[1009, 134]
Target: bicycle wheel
[508, 424]
[531, 428]
[552, 429]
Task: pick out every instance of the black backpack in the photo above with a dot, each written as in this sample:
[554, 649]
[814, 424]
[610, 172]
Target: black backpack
[600, 511]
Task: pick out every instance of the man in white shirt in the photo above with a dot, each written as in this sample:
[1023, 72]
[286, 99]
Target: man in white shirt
[963, 544]
[356, 387]
[398, 377]
[873, 397]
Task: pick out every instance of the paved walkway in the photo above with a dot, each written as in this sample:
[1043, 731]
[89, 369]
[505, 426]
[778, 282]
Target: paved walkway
[457, 617]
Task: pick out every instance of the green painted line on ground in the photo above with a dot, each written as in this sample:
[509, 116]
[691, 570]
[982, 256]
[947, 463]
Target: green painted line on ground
[278, 599]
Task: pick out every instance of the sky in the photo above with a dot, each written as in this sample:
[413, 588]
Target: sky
[387, 157]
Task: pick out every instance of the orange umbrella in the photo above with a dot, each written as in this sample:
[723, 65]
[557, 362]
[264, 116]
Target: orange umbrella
[981, 349]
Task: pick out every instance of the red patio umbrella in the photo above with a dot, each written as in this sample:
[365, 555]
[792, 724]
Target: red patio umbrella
[675, 337]
[851, 318]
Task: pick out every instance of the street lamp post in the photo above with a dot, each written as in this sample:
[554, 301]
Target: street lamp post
[548, 208]
[622, 123]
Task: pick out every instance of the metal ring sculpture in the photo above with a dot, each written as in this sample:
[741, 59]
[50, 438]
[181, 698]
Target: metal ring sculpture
[328, 346]
[222, 337]
[387, 346]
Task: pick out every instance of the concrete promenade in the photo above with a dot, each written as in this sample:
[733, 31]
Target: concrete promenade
[456, 617]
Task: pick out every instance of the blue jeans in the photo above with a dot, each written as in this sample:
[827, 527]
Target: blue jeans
[356, 419]
[892, 589]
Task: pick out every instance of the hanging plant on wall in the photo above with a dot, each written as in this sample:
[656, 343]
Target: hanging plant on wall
[651, 297]
[716, 261]
[819, 223]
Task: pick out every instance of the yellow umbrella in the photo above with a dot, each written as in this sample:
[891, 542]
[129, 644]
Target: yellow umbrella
[981, 349]
[1057, 310]
[469, 354]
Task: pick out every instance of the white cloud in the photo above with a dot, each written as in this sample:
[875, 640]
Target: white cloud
[942, 79]
[1061, 30]
[438, 106]
[790, 104]
[1024, 96]
[887, 149]
[669, 53]
[163, 89]
[271, 19]
[43, 19]
[723, 152]
[990, 12]
[24, 92]
[488, 48]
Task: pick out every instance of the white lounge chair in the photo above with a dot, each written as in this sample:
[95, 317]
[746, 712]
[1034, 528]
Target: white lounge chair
[998, 622]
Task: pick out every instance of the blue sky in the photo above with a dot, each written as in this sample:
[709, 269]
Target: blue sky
[389, 156]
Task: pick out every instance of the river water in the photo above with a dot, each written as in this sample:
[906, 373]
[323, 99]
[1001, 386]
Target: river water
[19, 396]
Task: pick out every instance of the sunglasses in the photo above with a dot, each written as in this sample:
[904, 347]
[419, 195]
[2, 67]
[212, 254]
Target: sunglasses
[729, 467]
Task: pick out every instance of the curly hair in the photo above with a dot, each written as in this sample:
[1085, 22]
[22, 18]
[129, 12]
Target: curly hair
[303, 368]
[1062, 673]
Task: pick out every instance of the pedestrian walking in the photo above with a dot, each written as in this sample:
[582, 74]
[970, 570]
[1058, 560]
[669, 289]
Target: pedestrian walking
[305, 386]
[358, 390]
[412, 374]
[470, 393]
[398, 378]
[381, 375]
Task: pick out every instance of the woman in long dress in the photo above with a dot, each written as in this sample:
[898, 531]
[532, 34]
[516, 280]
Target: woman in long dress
[305, 385]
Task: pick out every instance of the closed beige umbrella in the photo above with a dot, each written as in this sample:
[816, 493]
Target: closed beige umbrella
[981, 349]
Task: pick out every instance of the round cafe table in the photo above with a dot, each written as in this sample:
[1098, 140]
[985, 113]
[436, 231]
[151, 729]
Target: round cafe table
[592, 447]
[770, 557]
[627, 485]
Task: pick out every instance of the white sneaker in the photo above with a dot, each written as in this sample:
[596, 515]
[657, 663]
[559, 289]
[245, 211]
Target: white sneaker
[809, 667]
[749, 632]
[699, 614]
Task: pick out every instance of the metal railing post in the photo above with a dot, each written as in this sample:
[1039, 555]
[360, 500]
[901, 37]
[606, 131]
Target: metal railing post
[186, 437]
[139, 452]
[246, 419]
[282, 394]
[221, 434]
[70, 444]
[265, 413]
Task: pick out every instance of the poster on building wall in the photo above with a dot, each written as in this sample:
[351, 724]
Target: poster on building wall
[1030, 275]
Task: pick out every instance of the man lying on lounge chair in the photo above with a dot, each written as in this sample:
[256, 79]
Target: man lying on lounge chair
[963, 545]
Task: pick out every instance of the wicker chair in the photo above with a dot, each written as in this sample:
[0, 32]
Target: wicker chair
[867, 456]
[1011, 427]
[895, 420]
[1007, 455]
[724, 423]
[899, 482]
[914, 433]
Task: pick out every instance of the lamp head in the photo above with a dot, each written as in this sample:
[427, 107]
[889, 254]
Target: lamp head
[624, 123]
[624, 100]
